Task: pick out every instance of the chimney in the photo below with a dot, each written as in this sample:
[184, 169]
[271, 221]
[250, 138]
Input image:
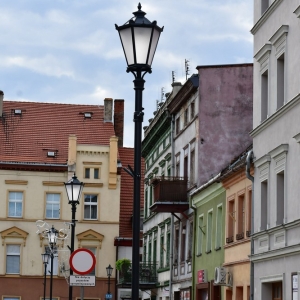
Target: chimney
[1, 103]
[108, 102]
[176, 87]
[119, 120]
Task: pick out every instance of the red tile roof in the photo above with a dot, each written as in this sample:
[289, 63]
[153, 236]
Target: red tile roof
[44, 127]
[126, 202]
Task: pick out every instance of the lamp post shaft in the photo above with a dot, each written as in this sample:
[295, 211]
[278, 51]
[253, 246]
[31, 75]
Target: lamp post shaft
[51, 275]
[138, 120]
[72, 244]
[45, 271]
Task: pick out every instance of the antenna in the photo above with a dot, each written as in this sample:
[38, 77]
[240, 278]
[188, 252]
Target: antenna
[187, 70]
[162, 94]
[173, 76]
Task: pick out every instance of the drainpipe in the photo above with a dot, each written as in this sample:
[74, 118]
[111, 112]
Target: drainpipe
[172, 216]
[194, 250]
[250, 177]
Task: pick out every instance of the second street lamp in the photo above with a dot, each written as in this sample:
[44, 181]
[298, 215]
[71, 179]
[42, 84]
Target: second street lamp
[74, 189]
[109, 270]
[139, 38]
[45, 259]
[52, 238]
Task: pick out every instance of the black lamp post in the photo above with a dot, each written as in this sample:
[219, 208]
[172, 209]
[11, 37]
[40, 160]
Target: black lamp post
[45, 259]
[109, 270]
[139, 38]
[74, 189]
[52, 238]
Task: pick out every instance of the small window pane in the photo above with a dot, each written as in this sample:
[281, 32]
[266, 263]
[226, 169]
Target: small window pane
[90, 207]
[87, 173]
[52, 206]
[96, 173]
[15, 204]
[13, 259]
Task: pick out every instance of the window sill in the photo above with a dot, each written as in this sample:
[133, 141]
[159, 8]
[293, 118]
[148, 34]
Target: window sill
[160, 270]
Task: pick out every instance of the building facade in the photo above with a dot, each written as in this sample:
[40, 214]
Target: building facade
[42, 146]
[276, 149]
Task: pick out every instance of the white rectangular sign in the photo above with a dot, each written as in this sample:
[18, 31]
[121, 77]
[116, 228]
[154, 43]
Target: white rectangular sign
[76, 280]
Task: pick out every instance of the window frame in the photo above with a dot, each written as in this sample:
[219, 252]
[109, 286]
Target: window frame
[9, 200]
[13, 254]
[46, 203]
[91, 205]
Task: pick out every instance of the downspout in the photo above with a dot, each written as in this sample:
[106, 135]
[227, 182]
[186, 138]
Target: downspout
[194, 250]
[172, 216]
[250, 177]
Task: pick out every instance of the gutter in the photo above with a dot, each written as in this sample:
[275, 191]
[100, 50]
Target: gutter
[250, 177]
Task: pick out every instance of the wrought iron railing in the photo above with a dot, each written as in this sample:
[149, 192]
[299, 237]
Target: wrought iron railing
[229, 239]
[147, 274]
[170, 189]
[239, 236]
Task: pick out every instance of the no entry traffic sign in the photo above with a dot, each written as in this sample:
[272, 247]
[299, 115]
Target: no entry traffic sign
[82, 261]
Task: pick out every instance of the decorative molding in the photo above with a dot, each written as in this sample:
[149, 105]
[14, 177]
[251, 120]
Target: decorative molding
[278, 114]
[14, 232]
[93, 185]
[297, 137]
[91, 163]
[265, 16]
[279, 40]
[53, 183]
[297, 12]
[90, 235]
[17, 182]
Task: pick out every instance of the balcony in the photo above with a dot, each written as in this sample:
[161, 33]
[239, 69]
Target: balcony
[147, 277]
[170, 194]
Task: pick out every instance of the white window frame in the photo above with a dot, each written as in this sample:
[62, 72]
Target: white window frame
[9, 254]
[90, 204]
[200, 235]
[15, 202]
[52, 203]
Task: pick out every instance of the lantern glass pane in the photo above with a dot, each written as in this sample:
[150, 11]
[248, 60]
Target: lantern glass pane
[126, 38]
[142, 37]
[154, 42]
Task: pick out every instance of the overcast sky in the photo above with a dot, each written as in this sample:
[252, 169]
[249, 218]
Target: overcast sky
[68, 51]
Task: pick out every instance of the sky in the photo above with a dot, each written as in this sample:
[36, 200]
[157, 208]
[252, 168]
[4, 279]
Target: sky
[68, 51]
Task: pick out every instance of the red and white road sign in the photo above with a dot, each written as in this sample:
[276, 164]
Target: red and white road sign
[82, 261]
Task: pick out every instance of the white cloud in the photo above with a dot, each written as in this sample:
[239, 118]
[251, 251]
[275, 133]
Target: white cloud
[47, 65]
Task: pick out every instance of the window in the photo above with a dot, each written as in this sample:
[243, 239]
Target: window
[190, 242]
[13, 259]
[146, 203]
[230, 221]
[87, 172]
[150, 249]
[200, 234]
[186, 116]
[240, 217]
[280, 81]
[209, 231]
[239, 292]
[264, 6]
[93, 250]
[155, 247]
[162, 248]
[96, 173]
[55, 261]
[176, 246]
[168, 246]
[15, 204]
[262, 56]
[183, 243]
[90, 207]
[280, 198]
[178, 165]
[249, 213]
[14, 298]
[219, 227]
[177, 125]
[264, 95]
[264, 205]
[192, 110]
[192, 168]
[52, 206]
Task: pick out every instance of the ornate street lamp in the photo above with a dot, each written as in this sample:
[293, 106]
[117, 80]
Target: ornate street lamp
[139, 38]
[52, 238]
[45, 259]
[74, 189]
[109, 270]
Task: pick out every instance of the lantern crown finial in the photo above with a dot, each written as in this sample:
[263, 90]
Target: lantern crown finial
[139, 6]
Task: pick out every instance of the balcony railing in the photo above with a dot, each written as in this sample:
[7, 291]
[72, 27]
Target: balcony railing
[239, 236]
[229, 239]
[147, 276]
[169, 189]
